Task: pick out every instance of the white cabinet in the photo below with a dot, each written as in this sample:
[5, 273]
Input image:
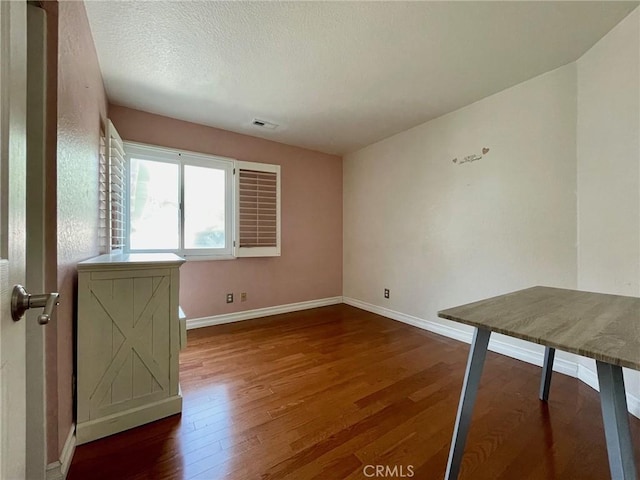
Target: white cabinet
[128, 342]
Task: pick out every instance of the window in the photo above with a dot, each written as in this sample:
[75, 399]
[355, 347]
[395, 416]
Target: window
[155, 199]
[179, 201]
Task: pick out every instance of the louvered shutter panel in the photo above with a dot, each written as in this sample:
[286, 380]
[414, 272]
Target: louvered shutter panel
[116, 175]
[257, 210]
[103, 175]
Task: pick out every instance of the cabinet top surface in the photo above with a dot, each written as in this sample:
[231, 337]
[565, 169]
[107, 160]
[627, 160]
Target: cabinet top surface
[600, 326]
[132, 260]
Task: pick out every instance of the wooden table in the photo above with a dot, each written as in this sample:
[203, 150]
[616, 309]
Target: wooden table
[603, 327]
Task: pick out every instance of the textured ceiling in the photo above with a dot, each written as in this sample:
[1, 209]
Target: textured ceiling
[335, 75]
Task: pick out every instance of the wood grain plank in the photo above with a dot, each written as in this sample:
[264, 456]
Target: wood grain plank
[322, 393]
[595, 325]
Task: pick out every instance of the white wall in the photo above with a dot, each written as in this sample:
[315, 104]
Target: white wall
[439, 234]
[608, 149]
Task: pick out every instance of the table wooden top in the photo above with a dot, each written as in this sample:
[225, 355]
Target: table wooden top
[596, 325]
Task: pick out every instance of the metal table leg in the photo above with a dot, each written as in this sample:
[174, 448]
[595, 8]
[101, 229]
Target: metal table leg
[477, 354]
[616, 422]
[547, 370]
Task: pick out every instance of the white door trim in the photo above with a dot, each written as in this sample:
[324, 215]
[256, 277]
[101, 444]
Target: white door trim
[36, 454]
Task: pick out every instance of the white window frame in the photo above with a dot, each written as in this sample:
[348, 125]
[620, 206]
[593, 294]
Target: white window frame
[182, 158]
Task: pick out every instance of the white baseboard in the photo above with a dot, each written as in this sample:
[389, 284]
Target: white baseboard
[58, 469]
[439, 328]
[260, 312]
[529, 355]
[590, 377]
[68, 450]
[54, 471]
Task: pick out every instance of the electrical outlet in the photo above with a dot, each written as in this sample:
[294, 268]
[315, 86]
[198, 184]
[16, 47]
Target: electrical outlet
[243, 297]
[229, 297]
[386, 293]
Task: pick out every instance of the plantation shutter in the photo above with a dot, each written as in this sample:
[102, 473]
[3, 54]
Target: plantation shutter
[257, 210]
[103, 202]
[112, 190]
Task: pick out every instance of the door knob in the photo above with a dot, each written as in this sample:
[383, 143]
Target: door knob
[21, 301]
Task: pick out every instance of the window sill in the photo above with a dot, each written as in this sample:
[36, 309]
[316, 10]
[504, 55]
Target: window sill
[206, 258]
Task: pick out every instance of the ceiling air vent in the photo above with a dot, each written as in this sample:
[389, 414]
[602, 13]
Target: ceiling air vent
[264, 124]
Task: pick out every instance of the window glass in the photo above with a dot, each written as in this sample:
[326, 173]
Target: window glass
[154, 205]
[204, 207]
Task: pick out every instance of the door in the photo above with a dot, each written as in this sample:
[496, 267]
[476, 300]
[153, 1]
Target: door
[13, 42]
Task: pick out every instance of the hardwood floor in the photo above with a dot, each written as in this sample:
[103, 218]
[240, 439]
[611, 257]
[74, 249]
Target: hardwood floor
[320, 394]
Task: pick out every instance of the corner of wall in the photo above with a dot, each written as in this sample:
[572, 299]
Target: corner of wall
[81, 109]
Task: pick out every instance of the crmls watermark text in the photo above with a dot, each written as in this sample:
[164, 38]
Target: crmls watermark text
[388, 471]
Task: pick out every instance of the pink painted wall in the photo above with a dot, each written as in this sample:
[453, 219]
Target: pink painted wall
[82, 108]
[311, 263]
